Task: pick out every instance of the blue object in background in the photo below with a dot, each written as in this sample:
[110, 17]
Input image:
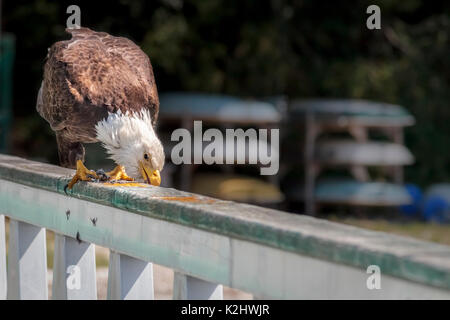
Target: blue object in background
[436, 205]
[436, 209]
[414, 208]
[432, 206]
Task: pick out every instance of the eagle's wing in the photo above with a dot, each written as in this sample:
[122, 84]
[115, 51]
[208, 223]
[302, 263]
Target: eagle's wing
[92, 74]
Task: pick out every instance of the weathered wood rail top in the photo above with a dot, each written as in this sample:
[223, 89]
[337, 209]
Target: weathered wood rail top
[266, 252]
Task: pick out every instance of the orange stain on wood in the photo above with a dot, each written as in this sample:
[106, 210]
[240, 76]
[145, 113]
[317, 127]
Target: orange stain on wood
[128, 184]
[191, 199]
[187, 199]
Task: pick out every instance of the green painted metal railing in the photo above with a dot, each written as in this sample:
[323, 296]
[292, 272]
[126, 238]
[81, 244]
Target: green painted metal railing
[265, 252]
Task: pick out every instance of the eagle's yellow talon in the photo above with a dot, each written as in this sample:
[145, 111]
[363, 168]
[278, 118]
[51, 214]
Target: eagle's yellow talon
[82, 174]
[118, 173]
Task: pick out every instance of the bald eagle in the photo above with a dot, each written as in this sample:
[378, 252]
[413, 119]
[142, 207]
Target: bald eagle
[97, 87]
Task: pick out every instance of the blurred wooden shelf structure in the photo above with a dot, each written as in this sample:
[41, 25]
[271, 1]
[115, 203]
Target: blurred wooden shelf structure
[241, 188]
[215, 108]
[357, 117]
[181, 109]
[7, 45]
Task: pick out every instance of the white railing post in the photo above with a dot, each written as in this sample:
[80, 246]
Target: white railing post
[27, 262]
[189, 288]
[129, 278]
[74, 276]
[2, 258]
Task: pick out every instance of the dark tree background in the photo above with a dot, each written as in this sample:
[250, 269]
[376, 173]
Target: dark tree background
[300, 48]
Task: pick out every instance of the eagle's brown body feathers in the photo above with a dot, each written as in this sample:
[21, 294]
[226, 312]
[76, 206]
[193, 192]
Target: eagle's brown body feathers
[85, 78]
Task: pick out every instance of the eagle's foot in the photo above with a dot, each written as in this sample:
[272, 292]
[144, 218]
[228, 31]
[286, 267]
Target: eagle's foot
[118, 173]
[82, 174]
[102, 176]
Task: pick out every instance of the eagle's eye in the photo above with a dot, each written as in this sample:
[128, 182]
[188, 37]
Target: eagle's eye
[145, 156]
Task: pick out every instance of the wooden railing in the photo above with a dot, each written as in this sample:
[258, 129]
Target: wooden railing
[207, 242]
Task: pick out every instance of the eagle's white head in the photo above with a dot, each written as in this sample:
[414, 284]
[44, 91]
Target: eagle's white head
[130, 141]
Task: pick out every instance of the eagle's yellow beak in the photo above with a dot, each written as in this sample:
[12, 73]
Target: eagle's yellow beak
[150, 176]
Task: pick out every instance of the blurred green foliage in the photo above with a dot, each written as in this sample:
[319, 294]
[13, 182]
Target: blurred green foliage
[300, 48]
